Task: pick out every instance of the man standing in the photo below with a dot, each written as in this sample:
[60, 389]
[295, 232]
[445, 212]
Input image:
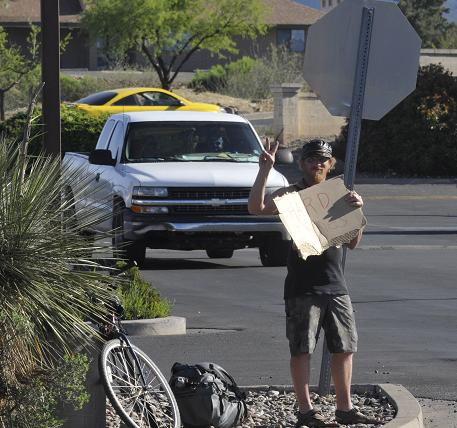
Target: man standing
[315, 294]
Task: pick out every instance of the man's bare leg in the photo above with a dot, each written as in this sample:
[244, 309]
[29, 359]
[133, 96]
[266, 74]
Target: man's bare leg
[342, 376]
[342, 372]
[299, 370]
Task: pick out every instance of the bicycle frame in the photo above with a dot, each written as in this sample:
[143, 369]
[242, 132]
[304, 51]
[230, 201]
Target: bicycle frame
[123, 338]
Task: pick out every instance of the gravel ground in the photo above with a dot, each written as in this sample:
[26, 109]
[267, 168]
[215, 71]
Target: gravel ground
[276, 409]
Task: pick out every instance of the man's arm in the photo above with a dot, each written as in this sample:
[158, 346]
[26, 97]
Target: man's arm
[356, 240]
[355, 200]
[259, 203]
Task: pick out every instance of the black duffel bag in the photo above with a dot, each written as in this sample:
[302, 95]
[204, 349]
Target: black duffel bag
[207, 396]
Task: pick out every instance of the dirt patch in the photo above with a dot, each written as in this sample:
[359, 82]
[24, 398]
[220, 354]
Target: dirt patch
[241, 104]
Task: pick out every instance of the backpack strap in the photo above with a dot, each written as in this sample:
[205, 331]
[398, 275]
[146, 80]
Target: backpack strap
[217, 370]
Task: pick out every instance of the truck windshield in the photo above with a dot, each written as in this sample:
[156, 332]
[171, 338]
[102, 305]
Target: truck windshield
[191, 142]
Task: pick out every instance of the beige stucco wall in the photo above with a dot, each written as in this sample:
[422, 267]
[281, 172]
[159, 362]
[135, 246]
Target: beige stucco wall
[446, 57]
[301, 115]
[314, 120]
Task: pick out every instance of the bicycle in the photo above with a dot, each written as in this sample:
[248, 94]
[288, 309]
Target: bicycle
[133, 383]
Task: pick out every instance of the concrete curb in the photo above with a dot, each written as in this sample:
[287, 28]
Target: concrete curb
[156, 327]
[409, 412]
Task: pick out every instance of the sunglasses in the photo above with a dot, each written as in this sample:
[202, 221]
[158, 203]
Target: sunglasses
[317, 159]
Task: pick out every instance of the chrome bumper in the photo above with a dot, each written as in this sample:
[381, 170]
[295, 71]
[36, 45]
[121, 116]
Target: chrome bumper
[136, 229]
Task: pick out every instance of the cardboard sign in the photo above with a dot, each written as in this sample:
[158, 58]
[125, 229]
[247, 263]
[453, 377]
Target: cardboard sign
[319, 217]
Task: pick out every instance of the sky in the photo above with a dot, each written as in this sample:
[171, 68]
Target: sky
[451, 4]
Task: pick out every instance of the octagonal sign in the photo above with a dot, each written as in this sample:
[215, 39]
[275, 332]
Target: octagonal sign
[331, 58]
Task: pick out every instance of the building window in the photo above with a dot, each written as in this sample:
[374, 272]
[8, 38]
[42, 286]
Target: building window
[294, 40]
[324, 4]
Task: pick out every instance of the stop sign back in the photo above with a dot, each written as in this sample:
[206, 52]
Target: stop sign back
[331, 58]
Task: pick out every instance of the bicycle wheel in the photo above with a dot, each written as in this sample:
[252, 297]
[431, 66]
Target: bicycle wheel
[139, 404]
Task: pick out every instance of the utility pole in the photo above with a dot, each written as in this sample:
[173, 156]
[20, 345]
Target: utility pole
[50, 70]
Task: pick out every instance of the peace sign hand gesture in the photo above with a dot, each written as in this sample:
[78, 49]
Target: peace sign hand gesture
[267, 157]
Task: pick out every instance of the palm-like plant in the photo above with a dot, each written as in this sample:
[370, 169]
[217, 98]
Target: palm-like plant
[50, 280]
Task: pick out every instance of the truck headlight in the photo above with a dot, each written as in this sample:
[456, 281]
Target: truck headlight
[156, 192]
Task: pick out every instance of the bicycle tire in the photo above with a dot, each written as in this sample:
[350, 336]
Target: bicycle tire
[153, 405]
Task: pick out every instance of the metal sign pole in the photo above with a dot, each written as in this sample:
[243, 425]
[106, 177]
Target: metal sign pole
[352, 146]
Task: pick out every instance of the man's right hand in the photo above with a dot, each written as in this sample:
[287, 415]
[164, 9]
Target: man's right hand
[267, 157]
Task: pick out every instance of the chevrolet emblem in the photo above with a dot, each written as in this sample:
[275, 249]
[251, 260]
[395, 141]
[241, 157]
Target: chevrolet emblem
[217, 202]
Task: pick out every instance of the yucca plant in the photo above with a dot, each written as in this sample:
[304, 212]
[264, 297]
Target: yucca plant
[50, 280]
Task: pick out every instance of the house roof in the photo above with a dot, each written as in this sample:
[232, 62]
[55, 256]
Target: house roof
[288, 12]
[280, 12]
[24, 11]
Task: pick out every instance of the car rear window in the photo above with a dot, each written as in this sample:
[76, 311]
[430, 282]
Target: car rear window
[97, 99]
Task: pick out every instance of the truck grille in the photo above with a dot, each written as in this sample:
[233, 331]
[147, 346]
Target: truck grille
[207, 193]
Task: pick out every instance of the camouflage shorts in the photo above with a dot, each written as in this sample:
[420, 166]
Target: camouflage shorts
[305, 315]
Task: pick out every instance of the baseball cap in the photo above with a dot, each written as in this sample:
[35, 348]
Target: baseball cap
[316, 147]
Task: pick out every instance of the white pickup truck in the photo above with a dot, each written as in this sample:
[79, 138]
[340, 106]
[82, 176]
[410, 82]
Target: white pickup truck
[180, 180]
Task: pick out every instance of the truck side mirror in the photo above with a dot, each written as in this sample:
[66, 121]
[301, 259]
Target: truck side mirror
[101, 157]
[284, 156]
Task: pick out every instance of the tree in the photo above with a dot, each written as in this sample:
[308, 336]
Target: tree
[14, 65]
[418, 136]
[169, 32]
[427, 18]
[449, 38]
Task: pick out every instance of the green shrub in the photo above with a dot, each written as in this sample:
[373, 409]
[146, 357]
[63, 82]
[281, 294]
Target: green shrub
[140, 299]
[38, 400]
[210, 80]
[74, 88]
[416, 138]
[251, 78]
[242, 66]
[279, 66]
[79, 130]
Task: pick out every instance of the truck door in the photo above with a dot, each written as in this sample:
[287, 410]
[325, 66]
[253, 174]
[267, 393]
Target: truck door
[92, 191]
[109, 175]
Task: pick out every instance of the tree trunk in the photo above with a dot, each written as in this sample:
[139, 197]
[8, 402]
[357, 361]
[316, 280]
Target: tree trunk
[165, 84]
[165, 80]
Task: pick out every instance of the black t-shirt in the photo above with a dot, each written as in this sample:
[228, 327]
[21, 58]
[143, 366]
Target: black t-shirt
[321, 274]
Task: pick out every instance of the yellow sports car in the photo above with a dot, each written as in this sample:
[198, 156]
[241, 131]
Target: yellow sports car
[139, 99]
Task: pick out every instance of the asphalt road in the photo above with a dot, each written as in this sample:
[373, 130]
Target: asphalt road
[401, 279]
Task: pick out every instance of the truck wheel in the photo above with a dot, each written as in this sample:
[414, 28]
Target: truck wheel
[219, 253]
[274, 252]
[130, 250]
[135, 252]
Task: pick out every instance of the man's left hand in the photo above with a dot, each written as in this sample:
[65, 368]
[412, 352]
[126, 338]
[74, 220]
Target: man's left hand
[354, 199]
